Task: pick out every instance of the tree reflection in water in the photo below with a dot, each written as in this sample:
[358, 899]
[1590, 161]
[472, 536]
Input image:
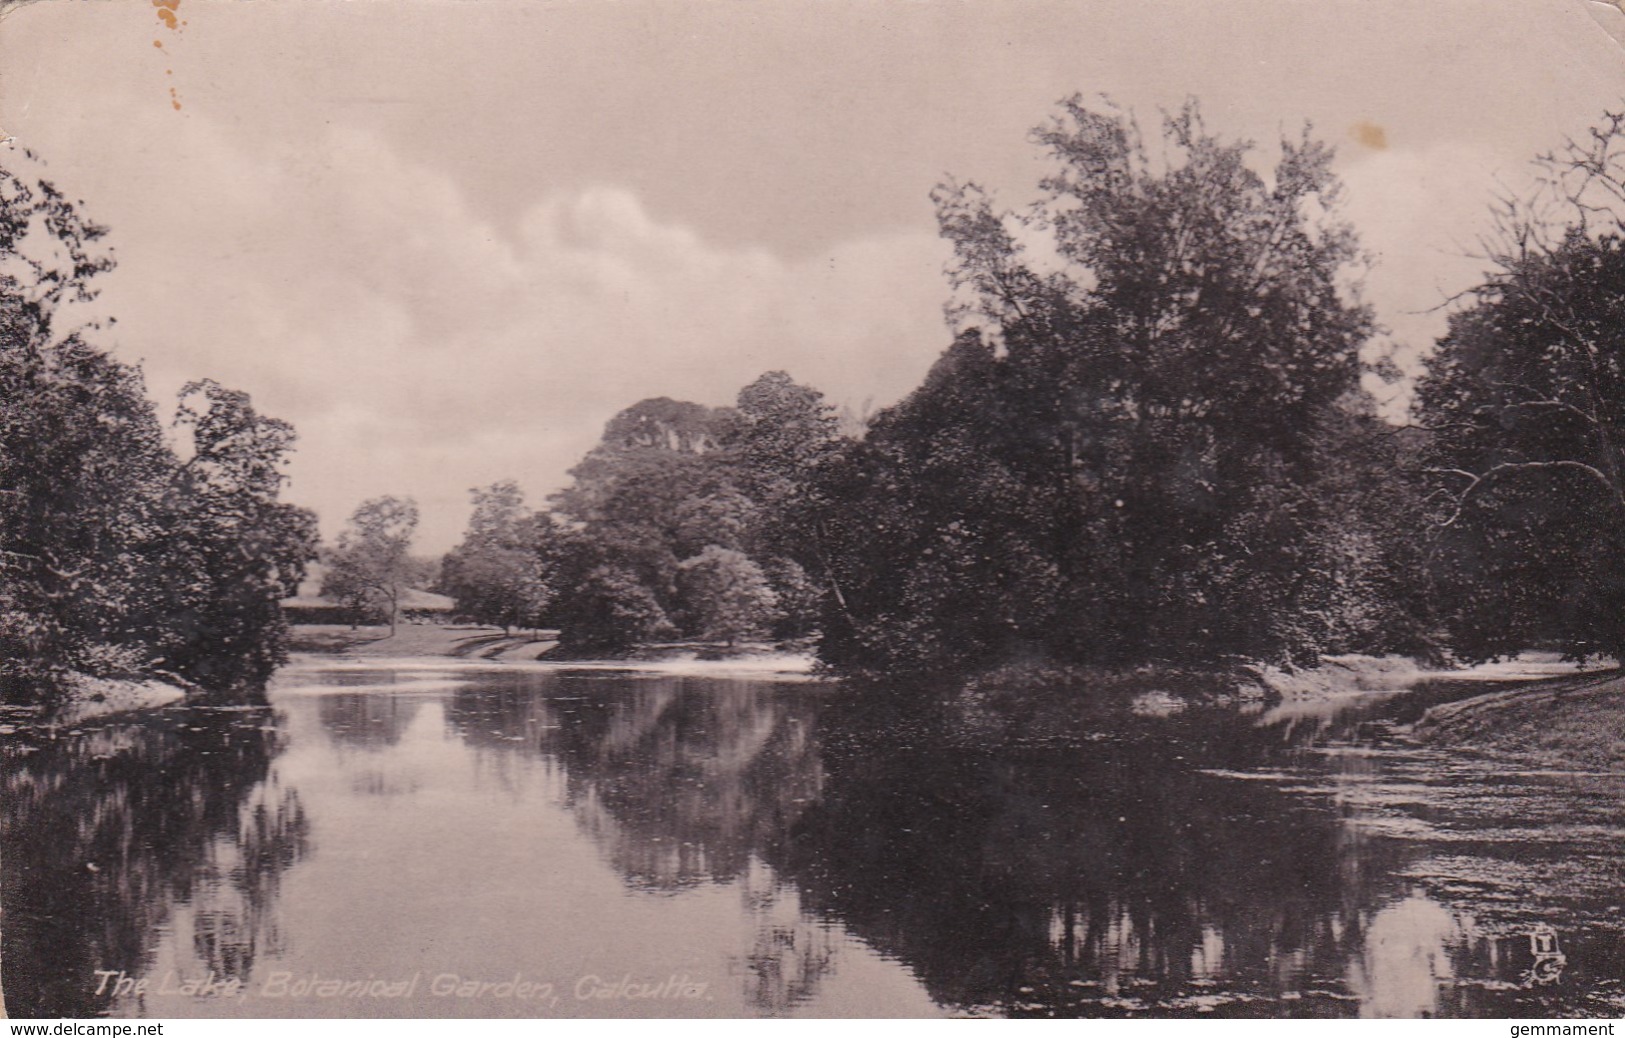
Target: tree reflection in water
[1142, 870]
[679, 781]
[1209, 861]
[683, 782]
[363, 725]
[1000, 877]
[109, 829]
[1050, 879]
[366, 720]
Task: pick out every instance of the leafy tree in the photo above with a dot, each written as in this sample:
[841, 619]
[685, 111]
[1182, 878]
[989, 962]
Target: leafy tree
[116, 557]
[727, 595]
[938, 550]
[496, 574]
[671, 481]
[230, 550]
[800, 598]
[608, 610]
[720, 515]
[784, 435]
[80, 445]
[649, 488]
[371, 566]
[1086, 472]
[782, 432]
[661, 423]
[1525, 398]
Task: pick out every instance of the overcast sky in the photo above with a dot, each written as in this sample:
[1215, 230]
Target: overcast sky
[449, 240]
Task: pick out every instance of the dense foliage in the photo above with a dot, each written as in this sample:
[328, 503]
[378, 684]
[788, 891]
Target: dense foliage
[1526, 402]
[1122, 457]
[684, 521]
[1147, 442]
[119, 556]
[497, 575]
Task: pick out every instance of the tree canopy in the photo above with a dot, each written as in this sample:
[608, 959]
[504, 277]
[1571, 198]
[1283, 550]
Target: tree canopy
[497, 575]
[1116, 459]
[1525, 398]
[371, 567]
[692, 520]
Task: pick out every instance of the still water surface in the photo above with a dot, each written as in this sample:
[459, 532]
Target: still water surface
[511, 842]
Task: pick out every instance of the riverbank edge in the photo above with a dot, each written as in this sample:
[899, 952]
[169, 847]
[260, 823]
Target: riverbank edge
[85, 698]
[1561, 724]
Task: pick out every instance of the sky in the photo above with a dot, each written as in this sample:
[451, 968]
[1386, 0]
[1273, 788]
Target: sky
[449, 240]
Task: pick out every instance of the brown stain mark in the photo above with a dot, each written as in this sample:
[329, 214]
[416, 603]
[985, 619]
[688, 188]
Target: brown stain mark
[166, 13]
[1367, 133]
[165, 9]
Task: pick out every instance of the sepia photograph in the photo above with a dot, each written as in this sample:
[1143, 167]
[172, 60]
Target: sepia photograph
[737, 509]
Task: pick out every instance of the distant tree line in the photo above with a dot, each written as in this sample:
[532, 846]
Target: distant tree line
[119, 554]
[1147, 443]
[685, 521]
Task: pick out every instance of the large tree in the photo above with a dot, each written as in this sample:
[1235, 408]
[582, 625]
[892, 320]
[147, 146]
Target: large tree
[782, 433]
[1115, 460]
[497, 574]
[673, 481]
[1525, 397]
[230, 548]
[371, 567]
[726, 596]
[634, 495]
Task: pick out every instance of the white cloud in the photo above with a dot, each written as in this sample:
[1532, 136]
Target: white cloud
[359, 291]
[420, 350]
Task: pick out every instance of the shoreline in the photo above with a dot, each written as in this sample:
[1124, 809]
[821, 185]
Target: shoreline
[1574, 724]
[89, 698]
[1549, 717]
[777, 667]
[434, 647]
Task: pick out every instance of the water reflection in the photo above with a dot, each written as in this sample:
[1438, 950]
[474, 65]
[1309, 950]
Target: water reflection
[1406, 958]
[367, 721]
[680, 781]
[107, 829]
[1041, 879]
[1070, 880]
[804, 854]
[1184, 862]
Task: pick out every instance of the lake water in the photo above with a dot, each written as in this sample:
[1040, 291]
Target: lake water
[512, 842]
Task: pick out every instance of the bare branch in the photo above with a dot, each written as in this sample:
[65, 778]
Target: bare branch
[1556, 405]
[1506, 468]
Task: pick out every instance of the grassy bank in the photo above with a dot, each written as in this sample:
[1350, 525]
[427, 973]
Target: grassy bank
[1569, 723]
[491, 644]
[451, 640]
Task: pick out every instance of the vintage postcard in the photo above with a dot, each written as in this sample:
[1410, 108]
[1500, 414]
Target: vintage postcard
[858, 508]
